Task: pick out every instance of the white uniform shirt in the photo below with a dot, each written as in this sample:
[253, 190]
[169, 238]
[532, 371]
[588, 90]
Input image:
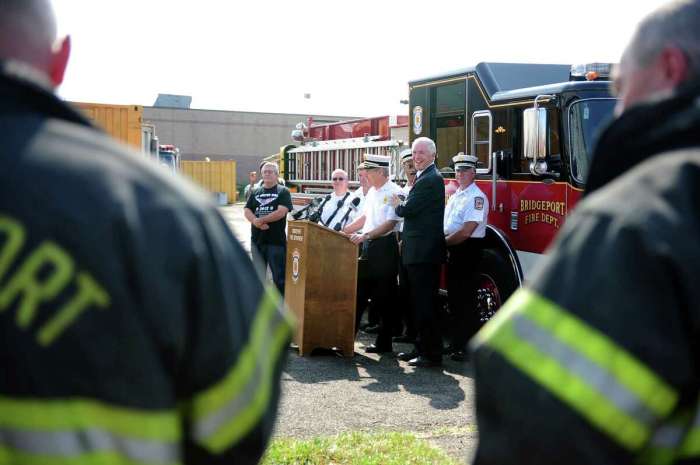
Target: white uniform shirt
[378, 209]
[405, 190]
[467, 205]
[332, 205]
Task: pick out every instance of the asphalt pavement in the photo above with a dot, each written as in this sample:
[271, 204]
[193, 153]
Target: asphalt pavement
[327, 394]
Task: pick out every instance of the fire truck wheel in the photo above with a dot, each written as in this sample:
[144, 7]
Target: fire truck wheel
[496, 283]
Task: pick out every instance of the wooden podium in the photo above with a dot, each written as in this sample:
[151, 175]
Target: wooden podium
[321, 286]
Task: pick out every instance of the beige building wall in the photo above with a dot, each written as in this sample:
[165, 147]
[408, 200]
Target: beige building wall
[245, 137]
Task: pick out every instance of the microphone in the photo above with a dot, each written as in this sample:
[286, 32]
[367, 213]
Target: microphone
[316, 215]
[353, 206]
[298, 214]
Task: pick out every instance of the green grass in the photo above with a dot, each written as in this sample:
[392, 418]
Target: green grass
[382, 448]
[446, 431]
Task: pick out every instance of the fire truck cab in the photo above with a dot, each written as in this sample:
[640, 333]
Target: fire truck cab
[169, 157]
[533, 127]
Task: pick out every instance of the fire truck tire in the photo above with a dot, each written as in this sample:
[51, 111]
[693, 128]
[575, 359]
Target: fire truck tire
[497, 281]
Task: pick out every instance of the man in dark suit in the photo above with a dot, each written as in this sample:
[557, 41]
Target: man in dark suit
[423, 251]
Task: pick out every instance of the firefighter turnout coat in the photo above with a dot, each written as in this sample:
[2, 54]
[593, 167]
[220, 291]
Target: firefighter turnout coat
[597, 361]
[133, 327]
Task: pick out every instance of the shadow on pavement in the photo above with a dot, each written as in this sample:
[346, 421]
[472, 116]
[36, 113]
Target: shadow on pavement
[383, 373]
[442, 389]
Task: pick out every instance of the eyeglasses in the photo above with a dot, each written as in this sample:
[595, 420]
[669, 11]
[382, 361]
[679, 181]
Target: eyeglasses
[338, 179]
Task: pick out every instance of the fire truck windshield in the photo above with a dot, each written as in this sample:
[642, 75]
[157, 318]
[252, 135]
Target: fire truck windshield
[168, 160]
[586, 120]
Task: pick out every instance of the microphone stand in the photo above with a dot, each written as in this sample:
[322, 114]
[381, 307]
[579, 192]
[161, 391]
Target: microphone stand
[300, 213]
[316, 216]
[341, 224]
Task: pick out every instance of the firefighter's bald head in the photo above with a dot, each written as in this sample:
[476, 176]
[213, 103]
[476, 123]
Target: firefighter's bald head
[663, 54]
[28, 35]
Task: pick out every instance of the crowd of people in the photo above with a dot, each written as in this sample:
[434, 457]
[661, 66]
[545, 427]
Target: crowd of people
[405, 235]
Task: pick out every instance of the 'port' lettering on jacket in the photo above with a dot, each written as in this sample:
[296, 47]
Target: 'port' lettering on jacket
[41, 277]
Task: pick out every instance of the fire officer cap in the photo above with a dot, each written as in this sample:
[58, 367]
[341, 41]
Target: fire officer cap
[464, 162]
[376, 161]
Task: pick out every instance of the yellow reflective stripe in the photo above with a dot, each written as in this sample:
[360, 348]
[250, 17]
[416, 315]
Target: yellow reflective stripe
[248, 418]
[12, 457]
[677, 438]
[570, 389]
[216, 396]
[663, 446]
[658, 456]
[77, 414]
[690, 446]
[662, 455]
[691, 443]
[656, 394]
[224, 413]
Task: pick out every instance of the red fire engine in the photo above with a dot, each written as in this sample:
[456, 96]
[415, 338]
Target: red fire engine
[532, 126]
[322, 148]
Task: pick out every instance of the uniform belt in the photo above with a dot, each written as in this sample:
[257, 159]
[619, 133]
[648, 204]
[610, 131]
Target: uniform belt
[388, 236]
[473, 240]
[469, 244]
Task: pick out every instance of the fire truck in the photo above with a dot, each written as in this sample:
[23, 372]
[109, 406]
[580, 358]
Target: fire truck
[169, 157]
[533, 127]
[322, 148]
[125, 123]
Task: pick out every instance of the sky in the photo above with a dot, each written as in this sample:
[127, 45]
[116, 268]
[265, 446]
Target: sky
[353, 58]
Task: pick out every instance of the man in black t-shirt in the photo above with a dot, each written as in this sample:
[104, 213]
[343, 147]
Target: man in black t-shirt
[267, 209]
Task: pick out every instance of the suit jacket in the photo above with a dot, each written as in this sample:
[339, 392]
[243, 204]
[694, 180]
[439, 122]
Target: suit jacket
[423, 213]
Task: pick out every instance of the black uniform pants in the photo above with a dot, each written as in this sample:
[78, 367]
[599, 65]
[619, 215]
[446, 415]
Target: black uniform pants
[364, 287]
[462, 282]
[404, 311]
[377, 273]
[424, 282]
